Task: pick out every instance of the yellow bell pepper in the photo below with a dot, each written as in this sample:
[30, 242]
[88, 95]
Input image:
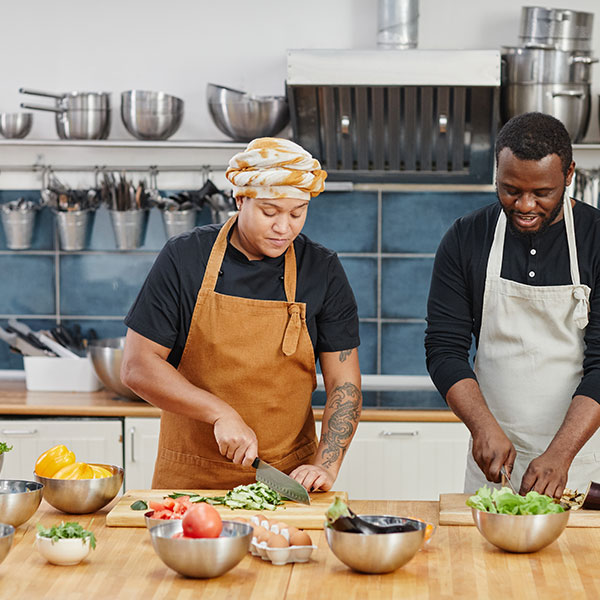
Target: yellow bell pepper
[100, 472]
[76, 470]
[53, 460]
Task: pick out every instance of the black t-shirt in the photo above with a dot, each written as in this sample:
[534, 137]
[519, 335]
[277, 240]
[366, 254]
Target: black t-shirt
[458, 281]
[163, 310]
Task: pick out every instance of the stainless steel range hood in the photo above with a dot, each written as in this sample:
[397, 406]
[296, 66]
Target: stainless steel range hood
[411, 116]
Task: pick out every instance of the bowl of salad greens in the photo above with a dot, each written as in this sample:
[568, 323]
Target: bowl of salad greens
[64, 544]
[517, 523]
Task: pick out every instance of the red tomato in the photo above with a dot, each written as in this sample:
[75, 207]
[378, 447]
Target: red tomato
[202, 521]
[156, 506]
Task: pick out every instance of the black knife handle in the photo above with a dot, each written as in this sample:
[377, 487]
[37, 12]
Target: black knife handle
[256, 462]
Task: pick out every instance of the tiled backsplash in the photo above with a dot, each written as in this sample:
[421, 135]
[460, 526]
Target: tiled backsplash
[385, 240]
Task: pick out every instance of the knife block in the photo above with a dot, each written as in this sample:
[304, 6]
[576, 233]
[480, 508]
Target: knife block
[50, 374]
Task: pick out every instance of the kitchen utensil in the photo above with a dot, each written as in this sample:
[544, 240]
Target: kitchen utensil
[79, 115]
[18, 344]
[82, 496]
[19, 499]
[7, 534]
[151, 115]
[506, 478]
[294, 514]
[62, 551]
[280, 482]
[244, 117]
[57, 348]
[15, 125]
[27, 334]
[106, 355]
[520, 533]
[201, 557]
[377, 552]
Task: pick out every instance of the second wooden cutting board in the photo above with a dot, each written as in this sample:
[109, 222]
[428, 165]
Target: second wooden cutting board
[454, 511]
[292, 513]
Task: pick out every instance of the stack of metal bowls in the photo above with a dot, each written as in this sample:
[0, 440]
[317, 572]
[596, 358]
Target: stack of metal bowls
[550, 71]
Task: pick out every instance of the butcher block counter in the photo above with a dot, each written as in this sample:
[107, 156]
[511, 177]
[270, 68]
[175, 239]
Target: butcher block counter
[457, 563]
[16, 400]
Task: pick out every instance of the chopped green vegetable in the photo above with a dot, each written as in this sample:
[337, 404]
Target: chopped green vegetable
[67, 531]
[139, 505]
[256, 496]
[4, 447]
[504, 501]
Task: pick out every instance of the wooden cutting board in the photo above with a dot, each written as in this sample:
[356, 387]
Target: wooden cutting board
[454, 511]
[292, 513]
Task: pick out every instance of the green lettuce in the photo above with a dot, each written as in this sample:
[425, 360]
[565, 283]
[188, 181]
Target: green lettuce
[504, 501]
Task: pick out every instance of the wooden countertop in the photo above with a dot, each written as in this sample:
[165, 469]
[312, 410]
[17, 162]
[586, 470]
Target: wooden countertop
[16, 400]
[457, 563]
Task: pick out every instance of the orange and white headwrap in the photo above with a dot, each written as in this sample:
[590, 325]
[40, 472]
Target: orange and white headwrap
[275, 168]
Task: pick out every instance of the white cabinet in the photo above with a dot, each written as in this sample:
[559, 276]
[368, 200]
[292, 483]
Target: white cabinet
[141, 444]
[92, 440]
[404, 461]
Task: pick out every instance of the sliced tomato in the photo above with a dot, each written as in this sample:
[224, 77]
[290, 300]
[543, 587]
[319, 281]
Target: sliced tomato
[169, 503]
[154, 505]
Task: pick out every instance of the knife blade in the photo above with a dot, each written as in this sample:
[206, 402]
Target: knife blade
[506, 479]
[280, 482]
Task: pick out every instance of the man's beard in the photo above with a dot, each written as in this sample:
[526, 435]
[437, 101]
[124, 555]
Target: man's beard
[545, 224]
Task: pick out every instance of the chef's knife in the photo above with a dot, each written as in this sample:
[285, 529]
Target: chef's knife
[19, 344]
[280, 482]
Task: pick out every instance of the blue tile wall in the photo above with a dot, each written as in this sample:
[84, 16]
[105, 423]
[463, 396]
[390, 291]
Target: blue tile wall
[386, 242]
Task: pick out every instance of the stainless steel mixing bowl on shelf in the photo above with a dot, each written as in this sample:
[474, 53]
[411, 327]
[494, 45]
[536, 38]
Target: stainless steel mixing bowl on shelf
[15, 126]
[151, 115]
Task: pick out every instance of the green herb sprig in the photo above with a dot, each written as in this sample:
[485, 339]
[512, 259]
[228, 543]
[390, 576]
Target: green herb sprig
[4, 447]
[67, 531]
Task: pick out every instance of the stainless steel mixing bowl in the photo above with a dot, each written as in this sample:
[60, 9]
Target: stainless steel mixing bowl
[520, 533]
[19, 500]
[244, 117]
[16, 125]
[377, 552]
[151, 115]
[82, 496]
[7, 533]
[107, 355]
[201, 557]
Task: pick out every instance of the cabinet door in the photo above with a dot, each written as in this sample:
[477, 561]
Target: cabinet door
[404, 461]
[141, 444]
[92, 440]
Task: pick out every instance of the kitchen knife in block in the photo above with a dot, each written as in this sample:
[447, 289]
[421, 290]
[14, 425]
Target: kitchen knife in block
[280, 482]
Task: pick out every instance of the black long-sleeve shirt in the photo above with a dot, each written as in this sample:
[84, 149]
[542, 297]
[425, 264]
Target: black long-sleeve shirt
[458, 281]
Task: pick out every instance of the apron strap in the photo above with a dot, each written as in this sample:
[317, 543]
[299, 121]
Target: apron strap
[211, 274]
[494, 266]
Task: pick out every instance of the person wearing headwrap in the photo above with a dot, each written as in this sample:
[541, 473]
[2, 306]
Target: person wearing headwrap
[225, 333]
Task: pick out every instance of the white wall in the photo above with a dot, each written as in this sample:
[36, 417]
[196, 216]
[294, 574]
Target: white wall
[179, 45]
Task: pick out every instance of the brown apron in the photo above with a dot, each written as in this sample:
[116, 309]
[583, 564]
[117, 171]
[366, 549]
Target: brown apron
[257, 356]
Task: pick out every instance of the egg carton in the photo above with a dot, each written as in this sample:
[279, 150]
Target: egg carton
[281, 556]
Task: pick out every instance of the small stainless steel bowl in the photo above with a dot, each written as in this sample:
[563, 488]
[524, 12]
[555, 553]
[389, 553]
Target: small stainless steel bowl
[19, 499]
[16, 125]
[244, 117]
[151, 115]
[82, 496]
[151, 522]
[7, 533]
[107, 355]
[520, 533]
[202, 557]
[377, 552]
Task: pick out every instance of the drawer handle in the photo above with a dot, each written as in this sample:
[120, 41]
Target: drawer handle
[132, 439]
[18, 431]
[385, 433]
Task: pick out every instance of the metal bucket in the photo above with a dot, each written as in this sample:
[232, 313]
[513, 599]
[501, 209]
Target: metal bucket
[129, 227]
[18, 228]
[587, 186]
[178, 221]
[74, 228]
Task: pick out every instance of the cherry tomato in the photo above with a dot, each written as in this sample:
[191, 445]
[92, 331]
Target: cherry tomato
[202, 521]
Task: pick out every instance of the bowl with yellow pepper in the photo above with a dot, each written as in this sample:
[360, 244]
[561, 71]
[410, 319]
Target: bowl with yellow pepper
[76, 487]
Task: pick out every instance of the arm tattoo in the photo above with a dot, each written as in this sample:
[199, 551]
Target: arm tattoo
[344, 354]
[345, 401]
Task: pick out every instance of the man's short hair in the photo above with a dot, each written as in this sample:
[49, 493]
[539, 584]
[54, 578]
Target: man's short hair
[533, 136]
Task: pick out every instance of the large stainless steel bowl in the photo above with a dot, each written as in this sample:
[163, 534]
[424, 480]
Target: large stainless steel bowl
[520, 533]
[244, 117]
[201, 557]
[378, 552]
[82, 496]
[7, 533]
[107, 355]
[19, 500]
[15, 125]
[151, 115]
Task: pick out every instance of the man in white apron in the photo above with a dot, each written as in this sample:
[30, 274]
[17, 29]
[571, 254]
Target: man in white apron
[527, 293]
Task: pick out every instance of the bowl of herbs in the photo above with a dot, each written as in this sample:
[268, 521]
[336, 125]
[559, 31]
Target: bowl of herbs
[64, 544]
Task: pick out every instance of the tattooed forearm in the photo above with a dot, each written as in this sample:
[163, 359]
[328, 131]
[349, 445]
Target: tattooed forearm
[345, 403]
[344, 354]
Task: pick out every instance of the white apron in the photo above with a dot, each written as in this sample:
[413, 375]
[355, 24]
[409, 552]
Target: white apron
[530, 361]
